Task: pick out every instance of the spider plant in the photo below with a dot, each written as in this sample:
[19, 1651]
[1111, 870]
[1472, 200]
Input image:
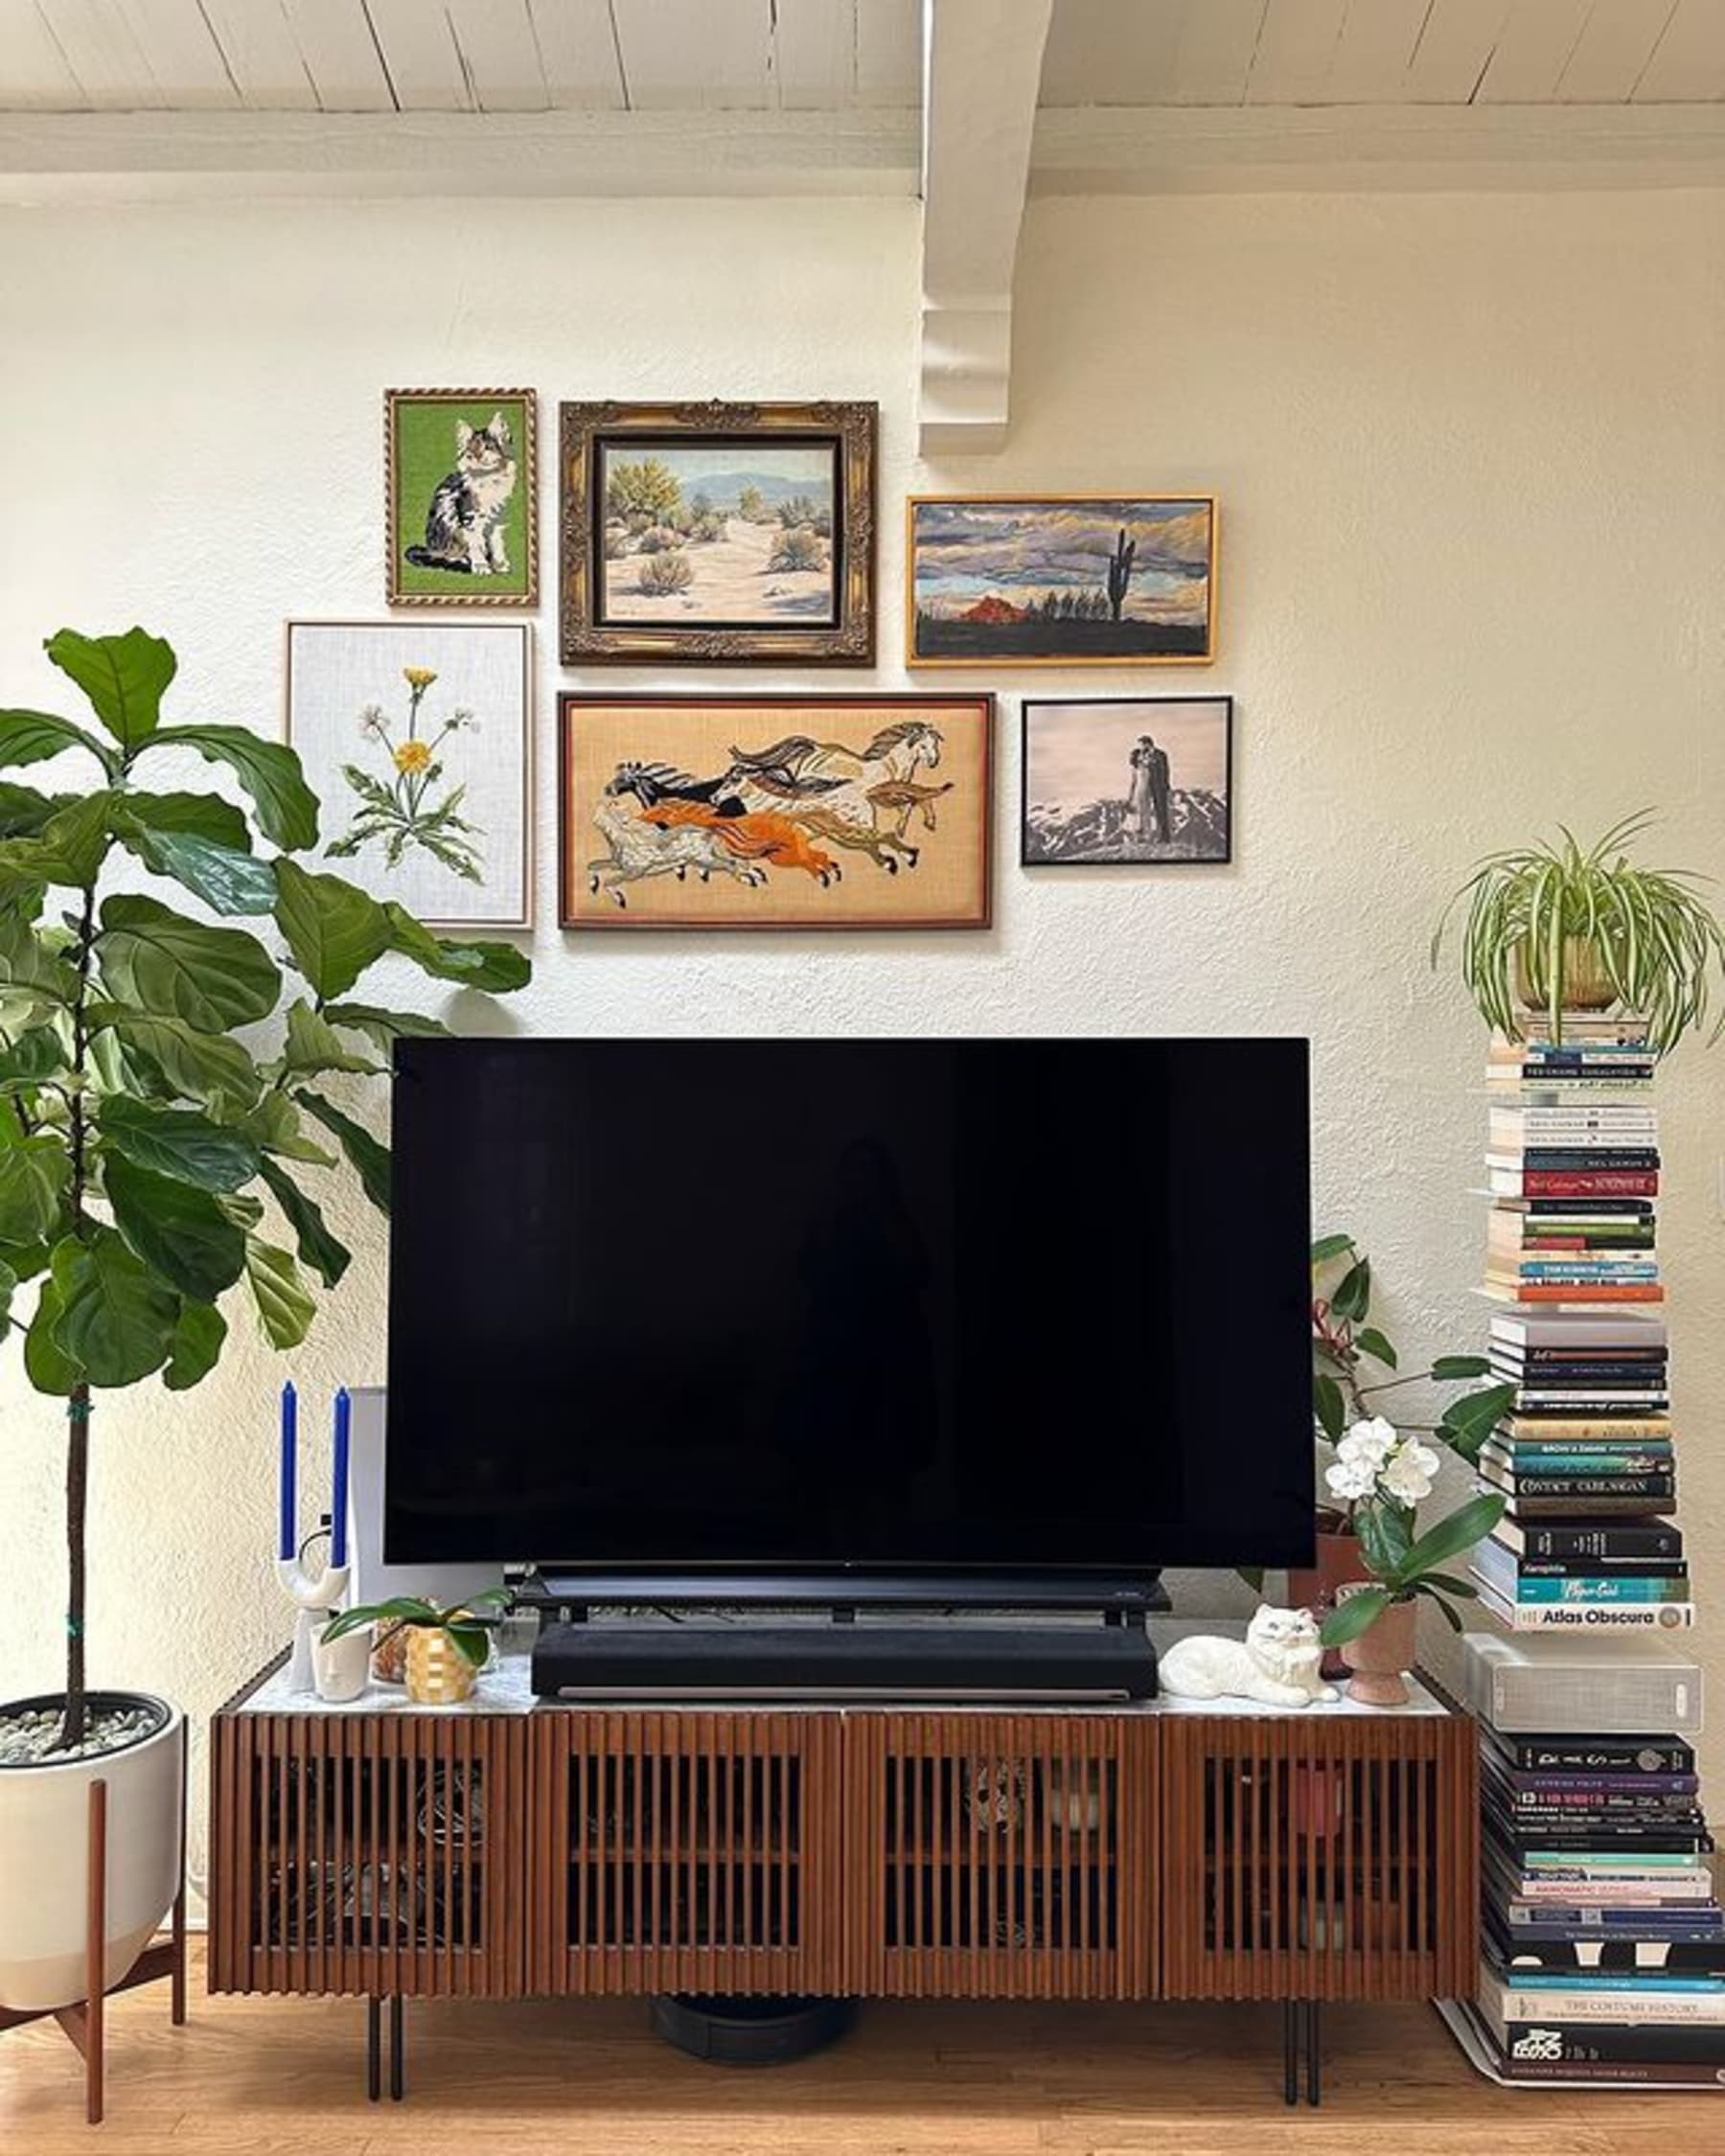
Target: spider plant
[1542, 918]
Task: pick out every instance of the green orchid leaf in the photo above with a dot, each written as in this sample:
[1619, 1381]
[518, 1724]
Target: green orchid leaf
[124, 677]
[1353, 1615]
[186, 1063]
[178, 1142]
[1328, 1406]
[1371, 1342]
[175, 1228]
[313, 1046]
[227, 880]
[283, 1304]
[1328, 1247]
[333, 930]
[1352, 1297]
[366, 1155]
[317, 1248]
[473, 1641]
[1457, 1532]
[47, 1366]
[1385, 1532]
[197, 1346]
[284, 804]
[116, 1319]
[33, 1175]
[208, 979]
[1466, 1423]
[31, 737]
[1461, 1366]
[497, 968]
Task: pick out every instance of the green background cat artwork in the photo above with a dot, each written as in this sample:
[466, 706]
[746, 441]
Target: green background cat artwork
[460, 491]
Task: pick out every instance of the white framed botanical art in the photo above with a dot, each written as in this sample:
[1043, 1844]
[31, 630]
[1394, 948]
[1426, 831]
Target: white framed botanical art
[417, 739]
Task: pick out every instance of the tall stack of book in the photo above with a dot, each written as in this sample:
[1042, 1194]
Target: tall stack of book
[1585, 1455]
[1603, 1943]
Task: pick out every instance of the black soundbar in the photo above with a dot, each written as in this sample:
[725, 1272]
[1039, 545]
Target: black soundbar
[843, 1662]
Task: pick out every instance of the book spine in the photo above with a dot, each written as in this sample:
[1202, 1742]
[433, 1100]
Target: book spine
[1601, 1570]
[1615, 1545]
[1602, 1616]
[1599, 1594]
[1596, 1756]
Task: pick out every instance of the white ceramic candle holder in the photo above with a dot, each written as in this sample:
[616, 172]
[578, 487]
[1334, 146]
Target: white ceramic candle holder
[317, 1596]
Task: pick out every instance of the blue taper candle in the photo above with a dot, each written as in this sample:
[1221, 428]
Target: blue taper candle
[285, 1547]
[338, 1509]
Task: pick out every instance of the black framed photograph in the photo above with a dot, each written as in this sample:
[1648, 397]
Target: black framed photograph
[1127, 781]
[718, 533]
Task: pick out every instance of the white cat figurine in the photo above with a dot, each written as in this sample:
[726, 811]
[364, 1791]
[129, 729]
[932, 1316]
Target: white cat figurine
[1277, 1664]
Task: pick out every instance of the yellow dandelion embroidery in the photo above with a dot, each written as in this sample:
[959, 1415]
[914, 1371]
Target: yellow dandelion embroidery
[413, 756]
[419, 676]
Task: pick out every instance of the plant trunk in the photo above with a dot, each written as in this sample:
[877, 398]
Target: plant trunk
[78, 1484]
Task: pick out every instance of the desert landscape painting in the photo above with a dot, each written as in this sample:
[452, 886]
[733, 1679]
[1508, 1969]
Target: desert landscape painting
[1129, 779]
[1063, 580]
[730, 535]
[775, 812]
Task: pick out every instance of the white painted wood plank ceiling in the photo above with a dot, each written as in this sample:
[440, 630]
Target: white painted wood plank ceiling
[813, 56]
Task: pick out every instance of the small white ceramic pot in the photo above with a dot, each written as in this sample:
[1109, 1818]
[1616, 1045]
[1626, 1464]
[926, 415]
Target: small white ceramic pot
[340, 1667]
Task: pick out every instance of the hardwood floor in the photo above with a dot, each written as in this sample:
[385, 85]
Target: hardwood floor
[278, 2076]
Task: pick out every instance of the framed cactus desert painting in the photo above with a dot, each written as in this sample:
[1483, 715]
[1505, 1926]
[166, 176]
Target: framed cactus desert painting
[1060, 580]
[417, 739]
[775, 812]
[460, 497]
[718, 534]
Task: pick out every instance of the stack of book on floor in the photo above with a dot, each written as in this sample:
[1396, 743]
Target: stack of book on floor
[1602, 1941]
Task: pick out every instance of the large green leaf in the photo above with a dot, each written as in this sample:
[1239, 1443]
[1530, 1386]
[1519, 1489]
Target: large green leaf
[187, 1063]
[46, 1363]
[1354, 1615]
[28, 965]
[1352, 1297]
[198, 1340]
[275, 1123]
[116, 1319]
[335, 929]
[175, 1141]
[493, 967]
[1456, 1533]
[8, 1287]
[33, 1175]
[285, 1307]
[313, 1046]
[210, 979]
[23, 811]
[37, 1053]
[227, 880]
[327, 1257]
[384, 1028]
[177, 1230]
[70, 847]
[369, 1158]
[31, 737]
[269, 771]
[192, 815]
[1466, 1423]
[124, 677]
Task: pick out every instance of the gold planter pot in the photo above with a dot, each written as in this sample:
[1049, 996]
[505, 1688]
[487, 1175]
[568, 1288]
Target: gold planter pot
[1586, 985]
[437, 1672]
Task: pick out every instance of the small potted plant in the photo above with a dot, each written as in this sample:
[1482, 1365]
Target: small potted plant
[447, 1645]
[1560, 927]
[1353, 1365]
[1384, 1474]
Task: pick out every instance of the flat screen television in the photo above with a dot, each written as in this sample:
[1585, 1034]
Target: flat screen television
[894, 1308]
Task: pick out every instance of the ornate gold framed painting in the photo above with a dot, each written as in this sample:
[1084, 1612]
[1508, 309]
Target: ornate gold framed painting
[461, 497]
[1060, 580]
[717, 534]
[775, 812]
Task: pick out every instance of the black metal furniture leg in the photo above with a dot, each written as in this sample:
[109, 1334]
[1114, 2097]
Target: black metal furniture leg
[374, 2079]
[1313, 2052]
[1290, 2051]
[397, 2062]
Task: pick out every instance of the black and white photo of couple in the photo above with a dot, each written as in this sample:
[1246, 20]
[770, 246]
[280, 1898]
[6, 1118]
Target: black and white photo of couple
[1127, 780]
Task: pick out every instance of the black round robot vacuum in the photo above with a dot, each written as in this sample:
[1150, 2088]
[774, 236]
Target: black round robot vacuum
[750, 2031]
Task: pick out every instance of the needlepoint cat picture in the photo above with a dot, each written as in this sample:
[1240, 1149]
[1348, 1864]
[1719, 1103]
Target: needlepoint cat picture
[459, 507]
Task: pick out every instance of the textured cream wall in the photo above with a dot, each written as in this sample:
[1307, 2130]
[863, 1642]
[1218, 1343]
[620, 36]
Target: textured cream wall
[1471, 456]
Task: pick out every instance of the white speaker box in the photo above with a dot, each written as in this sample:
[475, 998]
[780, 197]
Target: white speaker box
[1535, 1685]
[372, 1580]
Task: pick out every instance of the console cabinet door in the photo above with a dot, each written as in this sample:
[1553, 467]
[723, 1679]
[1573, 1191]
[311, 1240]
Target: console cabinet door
[367, 1853]
[1002, 1855]
[1318, 1858]
[685, 1851]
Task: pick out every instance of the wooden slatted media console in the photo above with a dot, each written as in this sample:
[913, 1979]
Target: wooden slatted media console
[507, 1847]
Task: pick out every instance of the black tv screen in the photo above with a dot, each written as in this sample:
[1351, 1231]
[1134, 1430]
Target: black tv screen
[877, 1305]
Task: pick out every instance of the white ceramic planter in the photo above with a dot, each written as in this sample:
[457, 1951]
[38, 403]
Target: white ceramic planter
[44, 1862]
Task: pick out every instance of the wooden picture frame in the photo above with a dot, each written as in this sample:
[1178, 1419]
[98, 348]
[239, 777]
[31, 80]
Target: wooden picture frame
[461, 494]
[775, 812]
[337, 675]
[717, 534]
[1030, 579]
[1087, 793]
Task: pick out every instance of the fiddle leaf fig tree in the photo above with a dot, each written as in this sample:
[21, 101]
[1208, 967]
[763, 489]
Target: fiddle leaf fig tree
[157, 1166]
